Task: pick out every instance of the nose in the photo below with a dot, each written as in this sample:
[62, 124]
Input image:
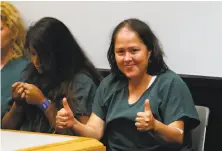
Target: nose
[127, 57]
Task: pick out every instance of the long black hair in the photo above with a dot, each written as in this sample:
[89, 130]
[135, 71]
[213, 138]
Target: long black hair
[60, 57]
[156, 62]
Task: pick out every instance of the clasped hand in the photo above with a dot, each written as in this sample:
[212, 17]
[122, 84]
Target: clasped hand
[29, 92]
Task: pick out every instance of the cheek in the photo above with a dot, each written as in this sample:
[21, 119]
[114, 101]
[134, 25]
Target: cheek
[142, 60]
[119, 61]
[146, 60]
[5, 39]
[34, 60]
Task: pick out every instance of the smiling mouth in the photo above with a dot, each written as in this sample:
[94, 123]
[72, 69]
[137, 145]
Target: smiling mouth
[129, 65]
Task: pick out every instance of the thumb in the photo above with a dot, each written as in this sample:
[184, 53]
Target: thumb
[65, 104]
[147, 105]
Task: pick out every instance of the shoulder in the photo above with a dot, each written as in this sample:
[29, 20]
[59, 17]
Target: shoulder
[110, 79]
[170, 77]
[112, 83]
[168, 81]
[20, 63]
[83, 78]
[17, 65]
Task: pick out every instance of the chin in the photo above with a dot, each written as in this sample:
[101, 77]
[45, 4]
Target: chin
[130, 75]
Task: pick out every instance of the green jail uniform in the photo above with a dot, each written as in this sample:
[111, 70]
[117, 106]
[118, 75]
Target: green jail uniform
[10, 74]
[84, 92]
[170, 100]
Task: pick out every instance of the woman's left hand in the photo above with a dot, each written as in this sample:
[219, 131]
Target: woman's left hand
[33, 95]
[145, 120]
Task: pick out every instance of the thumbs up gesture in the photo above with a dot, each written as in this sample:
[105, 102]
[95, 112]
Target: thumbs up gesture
[145, 120]
[65, 117]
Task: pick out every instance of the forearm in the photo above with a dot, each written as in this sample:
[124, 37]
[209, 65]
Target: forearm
[71, 131]
[50, 113]
[13, 118]
[85, 130]
[168, 133]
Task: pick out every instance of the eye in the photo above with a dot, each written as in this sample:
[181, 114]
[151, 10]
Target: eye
[120, 51]
[134, 50]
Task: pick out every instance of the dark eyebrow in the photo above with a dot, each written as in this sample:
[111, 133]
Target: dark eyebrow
[137, 47]
[118, 48]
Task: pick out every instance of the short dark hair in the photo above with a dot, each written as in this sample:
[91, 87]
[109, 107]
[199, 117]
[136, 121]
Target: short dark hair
[156, 62]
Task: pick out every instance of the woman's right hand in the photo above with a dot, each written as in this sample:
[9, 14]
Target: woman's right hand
[65, 117]
[18, 93]
[18, 90]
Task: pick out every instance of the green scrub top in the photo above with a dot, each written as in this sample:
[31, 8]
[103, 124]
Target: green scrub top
[170, 100]
[10, 74]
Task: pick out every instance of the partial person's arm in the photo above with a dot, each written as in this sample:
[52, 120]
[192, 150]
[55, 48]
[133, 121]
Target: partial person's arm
[177, 106]
[82, 119]
[50, 113]
[69, 131]
[65, 119]
[94, 127]
[84, 92]
[33, 95]
[13, 118]
[170, 133]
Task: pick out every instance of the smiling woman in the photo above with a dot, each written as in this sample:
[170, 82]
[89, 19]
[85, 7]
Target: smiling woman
[141, 105]
[149, 88]
[131, 54]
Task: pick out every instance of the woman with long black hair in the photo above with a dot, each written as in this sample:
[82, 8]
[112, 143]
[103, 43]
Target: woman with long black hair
[59, 69]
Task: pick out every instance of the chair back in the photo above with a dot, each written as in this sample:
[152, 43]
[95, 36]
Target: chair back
[199, 133]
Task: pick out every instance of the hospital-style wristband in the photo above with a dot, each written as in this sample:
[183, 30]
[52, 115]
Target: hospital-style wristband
[45, 105]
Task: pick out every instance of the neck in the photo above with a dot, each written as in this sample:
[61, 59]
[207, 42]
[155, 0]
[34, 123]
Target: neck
[5, 56]
[140, 82]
